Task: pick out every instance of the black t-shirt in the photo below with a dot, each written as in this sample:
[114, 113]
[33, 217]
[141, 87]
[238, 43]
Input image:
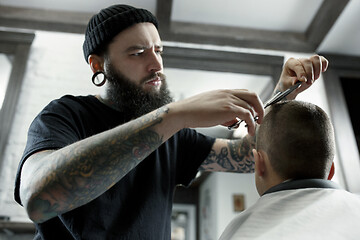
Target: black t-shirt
[139, 205]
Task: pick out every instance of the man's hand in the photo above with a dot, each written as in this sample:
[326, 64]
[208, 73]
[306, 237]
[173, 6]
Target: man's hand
[306, 70]
[220, 107]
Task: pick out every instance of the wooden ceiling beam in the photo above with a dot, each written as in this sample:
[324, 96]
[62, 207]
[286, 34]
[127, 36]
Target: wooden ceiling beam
[323, 21]
[47, 20]
[75, 22]
[235, 36]
[308, 41]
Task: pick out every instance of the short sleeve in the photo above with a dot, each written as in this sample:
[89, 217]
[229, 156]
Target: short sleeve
[53, 128]
[193, 148]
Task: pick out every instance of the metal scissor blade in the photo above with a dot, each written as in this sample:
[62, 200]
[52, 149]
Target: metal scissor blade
[280, 95]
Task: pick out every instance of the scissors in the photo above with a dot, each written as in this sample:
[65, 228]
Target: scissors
[276, 98]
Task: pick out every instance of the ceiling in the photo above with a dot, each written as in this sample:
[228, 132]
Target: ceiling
[327, 26]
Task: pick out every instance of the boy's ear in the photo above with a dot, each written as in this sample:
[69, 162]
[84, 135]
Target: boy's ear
[259, 163]
[332, 171]
[96, 63]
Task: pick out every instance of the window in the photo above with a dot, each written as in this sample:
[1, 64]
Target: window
[339, 86]
[352, 102]
[14, 50]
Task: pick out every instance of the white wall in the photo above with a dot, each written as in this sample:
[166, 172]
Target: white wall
[216, 201]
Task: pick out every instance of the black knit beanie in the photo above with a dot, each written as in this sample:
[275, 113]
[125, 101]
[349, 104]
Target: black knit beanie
[105, 25]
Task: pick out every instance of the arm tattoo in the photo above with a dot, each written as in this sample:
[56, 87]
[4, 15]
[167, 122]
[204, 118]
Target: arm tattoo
[84, 170]
[233, 156]
[214, 159]
[241, 153]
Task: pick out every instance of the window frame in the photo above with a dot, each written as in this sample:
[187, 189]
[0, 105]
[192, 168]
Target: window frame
[18, 45]
[342, 66]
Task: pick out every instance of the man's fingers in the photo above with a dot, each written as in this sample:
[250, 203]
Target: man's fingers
[253, 103]
[305, 70]
[324, 63]
[250, 122]
[316, 65]
[294, 68]
[248, 117]
[245, 106]
[308, 69]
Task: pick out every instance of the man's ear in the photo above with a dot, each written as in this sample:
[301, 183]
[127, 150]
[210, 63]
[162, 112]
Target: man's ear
[259, 163]
[332, 171]
[96, 63]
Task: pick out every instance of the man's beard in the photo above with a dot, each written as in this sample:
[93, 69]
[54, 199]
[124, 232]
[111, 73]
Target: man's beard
[131, 98]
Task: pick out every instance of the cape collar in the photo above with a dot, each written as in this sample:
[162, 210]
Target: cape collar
[303, 183]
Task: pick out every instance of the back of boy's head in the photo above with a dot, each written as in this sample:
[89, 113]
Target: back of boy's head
[298, 138]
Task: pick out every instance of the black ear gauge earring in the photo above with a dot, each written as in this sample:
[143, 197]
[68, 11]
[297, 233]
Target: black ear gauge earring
[99, 78]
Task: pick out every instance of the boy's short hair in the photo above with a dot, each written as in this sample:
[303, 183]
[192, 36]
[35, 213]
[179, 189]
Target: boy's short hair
[298, 138]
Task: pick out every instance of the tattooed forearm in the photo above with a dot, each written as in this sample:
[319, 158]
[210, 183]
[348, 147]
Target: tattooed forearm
[241, 153]
[214, 160]
[80, 172]
[231, 156]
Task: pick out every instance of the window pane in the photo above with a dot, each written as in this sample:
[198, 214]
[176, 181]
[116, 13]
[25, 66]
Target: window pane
[5, 69]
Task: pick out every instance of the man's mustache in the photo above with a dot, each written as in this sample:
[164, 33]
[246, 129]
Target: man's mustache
[153, 76]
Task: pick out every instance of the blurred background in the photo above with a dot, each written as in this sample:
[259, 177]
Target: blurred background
[208, 44]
